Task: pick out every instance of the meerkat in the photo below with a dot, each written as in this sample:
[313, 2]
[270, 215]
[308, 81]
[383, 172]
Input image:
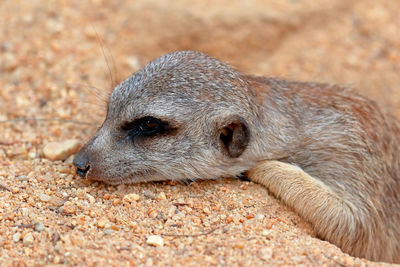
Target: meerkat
[327, 152]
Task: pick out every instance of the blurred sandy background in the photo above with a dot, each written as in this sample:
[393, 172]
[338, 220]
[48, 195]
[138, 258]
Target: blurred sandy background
[53, 65]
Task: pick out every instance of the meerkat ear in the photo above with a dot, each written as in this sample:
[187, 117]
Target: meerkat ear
[234, 137]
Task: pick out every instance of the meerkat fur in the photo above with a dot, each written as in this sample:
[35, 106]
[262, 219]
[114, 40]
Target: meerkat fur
[327, 152]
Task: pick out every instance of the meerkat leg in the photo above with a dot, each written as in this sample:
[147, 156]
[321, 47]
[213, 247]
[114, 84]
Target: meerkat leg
[333, 218]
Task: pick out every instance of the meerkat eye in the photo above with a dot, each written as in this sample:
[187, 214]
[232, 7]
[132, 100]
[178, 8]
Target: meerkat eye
[149, 125]
[146, 126]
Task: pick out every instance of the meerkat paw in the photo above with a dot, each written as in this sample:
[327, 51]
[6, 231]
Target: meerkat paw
[334, 219]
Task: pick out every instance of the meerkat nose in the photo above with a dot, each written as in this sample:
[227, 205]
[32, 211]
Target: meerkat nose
[82, 165]
[82, 171]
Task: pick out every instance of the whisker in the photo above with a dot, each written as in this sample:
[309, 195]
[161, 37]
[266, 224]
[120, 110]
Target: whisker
[100, 41]
[100, 93]
[24, 119]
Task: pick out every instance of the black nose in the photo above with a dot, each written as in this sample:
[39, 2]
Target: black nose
[82, 164]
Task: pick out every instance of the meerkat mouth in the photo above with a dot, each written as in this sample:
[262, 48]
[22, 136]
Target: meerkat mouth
[133, 178]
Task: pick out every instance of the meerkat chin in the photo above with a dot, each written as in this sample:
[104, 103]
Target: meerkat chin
[327, 152]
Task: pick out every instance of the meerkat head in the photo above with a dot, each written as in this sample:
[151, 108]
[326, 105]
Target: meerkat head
[183, 116]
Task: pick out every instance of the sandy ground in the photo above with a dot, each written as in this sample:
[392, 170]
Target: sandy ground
[52, 68]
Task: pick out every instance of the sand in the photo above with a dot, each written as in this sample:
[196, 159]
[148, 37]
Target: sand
[54, 83]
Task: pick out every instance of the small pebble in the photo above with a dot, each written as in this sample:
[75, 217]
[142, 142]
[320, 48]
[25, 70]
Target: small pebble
[44, 197]
[260, 216]
[90, 198]
[155, 240]
[61, 150]
[102, 223]
[161, 196]
[265, 253]
[28, 239]
[148, 194]
[131, 198]
[207, 211]
[180, 201]
[68, 208]
[22, 178]
[153, 214]
[90, 33]
[133, 62]
[249, 216]
[9, 62]
[56, 201]
[239, 245]
[265, 232]
[134, 225]
[24, 211]
[108, 231]
[39, 227]
[16, 237]
[15, 190]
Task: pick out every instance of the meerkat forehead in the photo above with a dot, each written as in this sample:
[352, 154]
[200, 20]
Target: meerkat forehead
[177, 82]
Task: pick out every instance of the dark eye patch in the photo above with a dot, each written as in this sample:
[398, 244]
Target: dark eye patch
[146, 126]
